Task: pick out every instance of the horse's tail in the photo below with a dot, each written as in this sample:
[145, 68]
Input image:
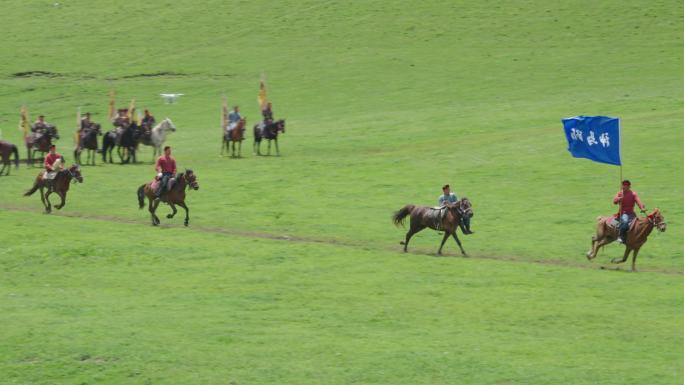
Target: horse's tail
[141, 196]
[399, 216]
[15, 151]
[36, 186]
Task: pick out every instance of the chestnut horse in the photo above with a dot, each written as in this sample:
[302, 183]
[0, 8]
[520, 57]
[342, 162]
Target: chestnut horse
[175, 196]
[60, 186]
[6, 150]
[636, 235]
[236, 135]
[445, 219]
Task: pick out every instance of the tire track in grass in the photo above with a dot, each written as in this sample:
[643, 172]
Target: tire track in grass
[338, 242]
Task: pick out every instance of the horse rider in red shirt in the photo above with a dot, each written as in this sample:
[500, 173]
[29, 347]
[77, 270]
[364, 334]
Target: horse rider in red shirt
[53, 164]
[627, 198]
[166, 169]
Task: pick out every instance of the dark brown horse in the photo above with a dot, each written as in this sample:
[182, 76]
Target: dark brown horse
[445, 219]
[269, 132]
[175, 196]
[60, 186]
[40, 143]
[6, 150]
[88, 141]
[637, 235]
[236, 135]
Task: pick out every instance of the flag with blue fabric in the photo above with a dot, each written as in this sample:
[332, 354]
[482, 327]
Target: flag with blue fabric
[594, 137]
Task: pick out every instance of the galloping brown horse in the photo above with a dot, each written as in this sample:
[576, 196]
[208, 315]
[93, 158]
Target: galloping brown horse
[175, 196]
[636, 235]
[445, 219]
[60, 186]
[40, 144]
[6, 150]
[236, 135]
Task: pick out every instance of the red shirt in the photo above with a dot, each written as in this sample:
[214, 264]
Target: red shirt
[50, 160]
[166, 164]
[629, 198]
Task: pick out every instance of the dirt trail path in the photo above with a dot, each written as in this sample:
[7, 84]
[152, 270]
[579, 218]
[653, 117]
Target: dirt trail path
[346, 243]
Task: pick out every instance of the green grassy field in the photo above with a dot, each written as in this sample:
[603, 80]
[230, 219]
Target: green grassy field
[291, 271]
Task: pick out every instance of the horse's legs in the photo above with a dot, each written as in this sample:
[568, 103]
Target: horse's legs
[187, 213]
[591, 254]
[634, 255]
[276, 144]
[459, 243]
[446, 235]
[240, 149]
[624, 257]
[173, 207]
[412, 230]
[48, 206]
[4, 165]
[62, 195]
[153, 207]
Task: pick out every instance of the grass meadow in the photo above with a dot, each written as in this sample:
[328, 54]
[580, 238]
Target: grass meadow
[290, 271]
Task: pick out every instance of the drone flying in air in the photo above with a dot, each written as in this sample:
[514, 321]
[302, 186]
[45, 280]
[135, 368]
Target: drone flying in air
[170, 98]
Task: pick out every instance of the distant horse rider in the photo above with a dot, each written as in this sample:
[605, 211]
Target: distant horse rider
[233, 119]
[147, 123]
[267, 113]
[39, 127]
[86, 123]
[122, 120]
[627, 198]
[448, 197]
[53, 164]
[166, 169]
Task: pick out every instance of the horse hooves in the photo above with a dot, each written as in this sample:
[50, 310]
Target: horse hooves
[186, 223]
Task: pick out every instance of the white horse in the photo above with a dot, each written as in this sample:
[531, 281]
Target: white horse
[158, 136]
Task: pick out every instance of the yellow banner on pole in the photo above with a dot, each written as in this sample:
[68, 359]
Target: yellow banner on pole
[262, 94]
[112, 108]
[77, 137]
[224, 114]
[24, 126]
[131, 112]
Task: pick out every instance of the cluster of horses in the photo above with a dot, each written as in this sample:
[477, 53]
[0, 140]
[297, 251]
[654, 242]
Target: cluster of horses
[448, 218]
[266, 130]
[125, 140]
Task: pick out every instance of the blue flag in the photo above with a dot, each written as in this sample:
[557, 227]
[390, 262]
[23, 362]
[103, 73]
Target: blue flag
[594, 137]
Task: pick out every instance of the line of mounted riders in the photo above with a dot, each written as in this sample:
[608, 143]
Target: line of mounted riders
[126, 135]
[234, 125]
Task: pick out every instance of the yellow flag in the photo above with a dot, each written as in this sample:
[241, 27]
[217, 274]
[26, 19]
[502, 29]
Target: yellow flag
[24, 121]
[77, 137]
[112, 110]
[131, 112]
[224, 114]
[262, 94]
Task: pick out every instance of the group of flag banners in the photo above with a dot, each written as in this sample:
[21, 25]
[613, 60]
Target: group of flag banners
[592, 137]
[25, 124]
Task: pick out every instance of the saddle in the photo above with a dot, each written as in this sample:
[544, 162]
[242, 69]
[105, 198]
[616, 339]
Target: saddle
[438, 214]
[154, 184]
[614, 223]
